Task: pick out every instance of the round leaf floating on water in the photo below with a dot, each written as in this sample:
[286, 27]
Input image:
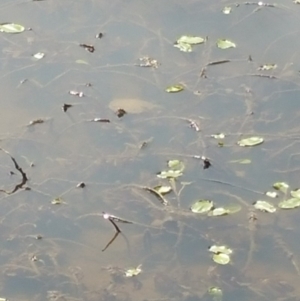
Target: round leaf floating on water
[289, 204]
[176, 165]
[295, 193]
[133, 272]
[221, 258]
[184, 47]
[202, 206]
[220, 249]
[264, 206]
[163, 189]
[226, 10]
[252, 141]
[282, 186]
[11, 28]
[267, 67]
[216, 293]
[272, 194]
[175, 88]
[218, 212]
[225, 44]
[192, 40]
[169, 174]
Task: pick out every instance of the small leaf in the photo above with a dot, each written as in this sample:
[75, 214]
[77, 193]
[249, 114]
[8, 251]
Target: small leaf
[264, 206]
[169, 174]
[176, 165]
[163, 189]
[226, 10]
[220, 249]
[272, 194]
[218, 136]
[184, 47]
[175, 88]
[192, 40]
[267, 67]
[202, 206]
[295, 193]
[225, 44]
[216, 293]
[241, 161]
[218, 212]
[252, 141]
[133, 272]
[221, 258]
[282, 186]
[57, 201]
[11, 28]
[289, 204]
[39, 55]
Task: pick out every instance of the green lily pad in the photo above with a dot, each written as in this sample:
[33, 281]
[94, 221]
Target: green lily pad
[192, 40]
[133, 272]
[163, 189]
[57, 201]
[165, 174]
[218, 136]
[202, 206]
[264, 206]
[11, 28]
[216, 293]
[295, 193]
[268, 67]
[221, 258]
[289, 204]
[226, 10]
[175, 88]
[176, 165]
[252, 141]
[241, 161]
[272, 194]
[184, 47]
[225, 44]
[218, 212]
[282, 186]
[220, 249]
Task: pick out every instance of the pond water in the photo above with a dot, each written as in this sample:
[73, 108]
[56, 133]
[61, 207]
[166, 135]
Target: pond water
[61, 169]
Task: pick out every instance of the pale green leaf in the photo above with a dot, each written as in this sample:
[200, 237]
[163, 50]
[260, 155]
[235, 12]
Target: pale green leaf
[252, 141]
[221, 258]
[220, 249]
[282, 186]
[226, 10]
[133, 272]
[218, 136]
[163, 189]
[202, 206]
[184, 47]
[264, 206]
[289, 204]
[192, 40]
[11, 28]
[267, 67]
[272, 194]
[295, 193]
[241, 161]
[175, 88]
[225, 44]
[169, 174]
[176, 165]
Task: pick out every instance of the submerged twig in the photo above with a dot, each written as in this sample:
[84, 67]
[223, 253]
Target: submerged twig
[20, 170]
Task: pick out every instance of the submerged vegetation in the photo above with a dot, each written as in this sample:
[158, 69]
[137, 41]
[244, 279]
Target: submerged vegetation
[149, 159]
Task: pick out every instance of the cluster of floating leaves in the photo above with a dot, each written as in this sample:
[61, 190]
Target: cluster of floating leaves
[176, 168]
[221, 254]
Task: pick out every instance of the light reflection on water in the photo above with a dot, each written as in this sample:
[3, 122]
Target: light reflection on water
[170, 242]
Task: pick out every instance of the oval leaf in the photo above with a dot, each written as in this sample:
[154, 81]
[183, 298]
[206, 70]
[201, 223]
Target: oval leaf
[252, 141]
[264, 206]
[202, 206]
[282, 186]
[220, 249]
[289, 204]
[225, 44]
[221, 258]
[175, 88]
[192, 40]
[11, 28]
[295, 193]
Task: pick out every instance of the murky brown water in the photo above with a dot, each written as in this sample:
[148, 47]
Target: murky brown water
[55, 252]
